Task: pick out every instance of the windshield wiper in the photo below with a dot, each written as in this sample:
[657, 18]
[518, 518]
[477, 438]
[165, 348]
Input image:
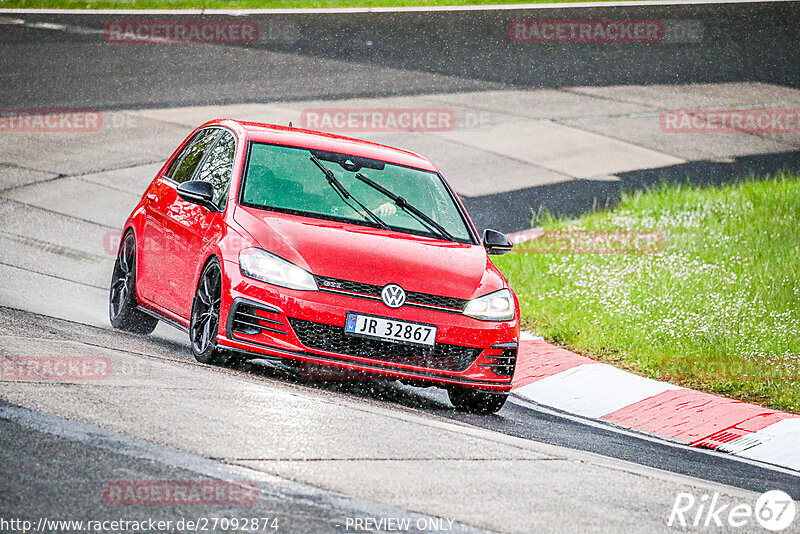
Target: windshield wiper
[403, 204]
[345, 194]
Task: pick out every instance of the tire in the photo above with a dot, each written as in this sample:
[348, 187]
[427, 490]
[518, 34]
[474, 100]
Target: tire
[477, 402]
[122, 306]
[204, 323]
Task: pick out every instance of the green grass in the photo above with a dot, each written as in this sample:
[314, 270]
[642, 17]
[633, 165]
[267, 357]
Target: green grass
[717, 309]
[248, 4]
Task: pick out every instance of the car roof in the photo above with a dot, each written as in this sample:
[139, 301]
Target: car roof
[289, 136]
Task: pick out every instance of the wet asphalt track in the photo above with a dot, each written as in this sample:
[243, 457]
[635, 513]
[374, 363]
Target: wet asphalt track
[46, 68]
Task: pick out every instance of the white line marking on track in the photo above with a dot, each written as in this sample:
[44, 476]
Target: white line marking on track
[779, 443]
[346, 10]
[56, 27]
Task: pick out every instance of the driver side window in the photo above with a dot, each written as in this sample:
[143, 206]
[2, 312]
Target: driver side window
[218, 167]
[186, 163]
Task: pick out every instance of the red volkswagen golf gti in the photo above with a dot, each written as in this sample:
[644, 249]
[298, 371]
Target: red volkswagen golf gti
[279, 243]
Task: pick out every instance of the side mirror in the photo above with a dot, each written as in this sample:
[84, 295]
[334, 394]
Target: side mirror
[496, 243]
[198, 192]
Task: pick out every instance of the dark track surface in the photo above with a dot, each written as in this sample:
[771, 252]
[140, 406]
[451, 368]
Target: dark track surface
[308, 56]
[47, 476]
[514, 419]
[521, 421]
[377, 55]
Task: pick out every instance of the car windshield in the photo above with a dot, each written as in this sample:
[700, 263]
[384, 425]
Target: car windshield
[287, 179]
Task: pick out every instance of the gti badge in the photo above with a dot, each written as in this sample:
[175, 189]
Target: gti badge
[393, 296]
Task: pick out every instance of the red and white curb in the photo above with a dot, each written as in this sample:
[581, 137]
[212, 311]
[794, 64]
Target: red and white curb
[575, 384]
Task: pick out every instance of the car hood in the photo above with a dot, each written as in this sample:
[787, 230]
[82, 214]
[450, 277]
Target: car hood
[373, 256]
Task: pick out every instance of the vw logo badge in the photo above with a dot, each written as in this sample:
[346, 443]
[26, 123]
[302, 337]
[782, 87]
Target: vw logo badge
[393, 296]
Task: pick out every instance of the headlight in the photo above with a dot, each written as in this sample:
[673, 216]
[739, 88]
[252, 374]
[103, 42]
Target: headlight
[262, 265]
[497, 306]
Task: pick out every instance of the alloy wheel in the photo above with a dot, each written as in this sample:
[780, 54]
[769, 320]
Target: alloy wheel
[205, 312]
[123, 278]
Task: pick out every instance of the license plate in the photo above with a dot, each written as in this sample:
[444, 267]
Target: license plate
[390, 330]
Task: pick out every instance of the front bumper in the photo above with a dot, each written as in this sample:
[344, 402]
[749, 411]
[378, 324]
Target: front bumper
[308, 326]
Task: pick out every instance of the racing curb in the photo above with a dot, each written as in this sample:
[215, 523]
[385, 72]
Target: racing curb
[572, 383]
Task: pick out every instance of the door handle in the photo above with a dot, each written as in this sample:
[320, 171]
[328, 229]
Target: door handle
[152, 196]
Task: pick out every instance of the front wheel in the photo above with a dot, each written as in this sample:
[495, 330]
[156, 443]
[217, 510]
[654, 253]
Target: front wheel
[123, 311]
[204, 323]
[477, 402]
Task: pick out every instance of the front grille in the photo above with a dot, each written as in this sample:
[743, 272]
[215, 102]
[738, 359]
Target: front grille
[333, 339]
[435, 300]
[334, 284]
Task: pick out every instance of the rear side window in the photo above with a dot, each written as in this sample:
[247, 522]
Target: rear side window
[218, 167]
[192, 155]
